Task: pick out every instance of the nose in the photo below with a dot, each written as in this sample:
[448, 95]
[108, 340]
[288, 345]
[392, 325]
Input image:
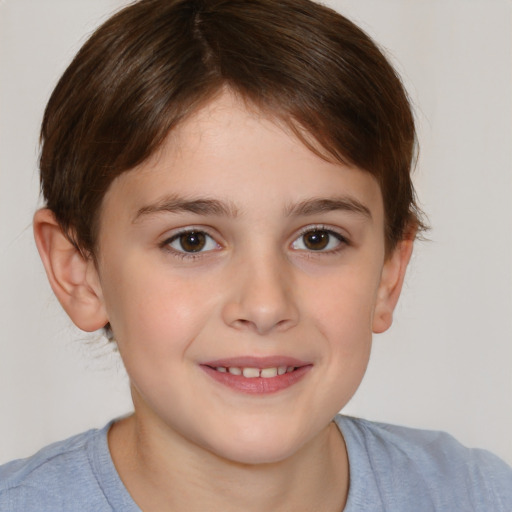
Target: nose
[262, 297]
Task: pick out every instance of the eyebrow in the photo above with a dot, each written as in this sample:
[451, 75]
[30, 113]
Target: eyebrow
[207, 206]
[323, 205]
[200, 206]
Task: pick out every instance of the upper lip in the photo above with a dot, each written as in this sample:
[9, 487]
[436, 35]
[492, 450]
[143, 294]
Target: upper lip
[256, 362]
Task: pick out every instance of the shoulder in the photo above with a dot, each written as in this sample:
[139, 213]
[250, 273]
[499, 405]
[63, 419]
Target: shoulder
[430, 468]
[59, 477]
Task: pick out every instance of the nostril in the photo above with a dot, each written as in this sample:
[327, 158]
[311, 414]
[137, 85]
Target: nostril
[283, 323]
[245, 324]
[260, 309]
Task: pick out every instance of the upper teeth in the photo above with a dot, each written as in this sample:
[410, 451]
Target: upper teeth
[251, 373]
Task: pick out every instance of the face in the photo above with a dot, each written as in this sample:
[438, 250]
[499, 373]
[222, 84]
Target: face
[241, 275]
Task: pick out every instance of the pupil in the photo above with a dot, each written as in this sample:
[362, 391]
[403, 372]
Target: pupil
[192, 242]
[316, 240]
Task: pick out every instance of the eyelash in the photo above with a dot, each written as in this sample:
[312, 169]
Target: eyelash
[191, 255]
[343, 241]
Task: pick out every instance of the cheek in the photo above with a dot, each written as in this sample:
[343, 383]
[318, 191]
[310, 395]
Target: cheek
[343, 316]
[345, 302]
[148, 308]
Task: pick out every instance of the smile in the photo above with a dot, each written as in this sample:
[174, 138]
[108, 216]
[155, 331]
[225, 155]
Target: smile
[257, 376]
[251, 373]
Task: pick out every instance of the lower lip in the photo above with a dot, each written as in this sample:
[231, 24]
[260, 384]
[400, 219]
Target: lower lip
[258, 385]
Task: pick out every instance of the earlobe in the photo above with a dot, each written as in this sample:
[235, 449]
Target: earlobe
[72, 276]
[392, 279]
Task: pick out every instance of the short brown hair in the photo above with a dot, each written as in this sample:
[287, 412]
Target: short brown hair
[157, 61]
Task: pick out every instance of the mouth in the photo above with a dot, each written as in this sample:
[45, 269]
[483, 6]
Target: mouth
[253, 373]
[257, 375]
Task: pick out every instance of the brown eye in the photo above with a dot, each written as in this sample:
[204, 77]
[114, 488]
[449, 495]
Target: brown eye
[192, 241]
[316, 240]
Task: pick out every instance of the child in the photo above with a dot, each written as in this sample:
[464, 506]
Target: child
[228, 196]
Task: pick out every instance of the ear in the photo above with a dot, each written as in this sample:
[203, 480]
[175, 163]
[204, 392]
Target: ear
[73, 276]
[392, 279]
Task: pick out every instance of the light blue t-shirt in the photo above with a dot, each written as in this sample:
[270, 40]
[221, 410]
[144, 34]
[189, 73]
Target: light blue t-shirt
[392, 468]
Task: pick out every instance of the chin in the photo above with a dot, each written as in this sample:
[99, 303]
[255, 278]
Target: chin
[256, 455]
[255, 446]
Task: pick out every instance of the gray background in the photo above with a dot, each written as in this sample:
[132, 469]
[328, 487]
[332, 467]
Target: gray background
[445, 364]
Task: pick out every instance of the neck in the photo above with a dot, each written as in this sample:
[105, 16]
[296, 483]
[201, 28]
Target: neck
[163, 474]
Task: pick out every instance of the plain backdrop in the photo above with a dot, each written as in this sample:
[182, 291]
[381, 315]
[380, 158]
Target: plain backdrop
[447, 361]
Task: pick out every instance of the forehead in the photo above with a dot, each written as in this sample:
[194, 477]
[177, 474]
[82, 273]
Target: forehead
[239, 155]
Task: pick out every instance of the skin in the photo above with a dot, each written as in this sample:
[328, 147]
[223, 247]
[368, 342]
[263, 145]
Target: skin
[254, 289]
